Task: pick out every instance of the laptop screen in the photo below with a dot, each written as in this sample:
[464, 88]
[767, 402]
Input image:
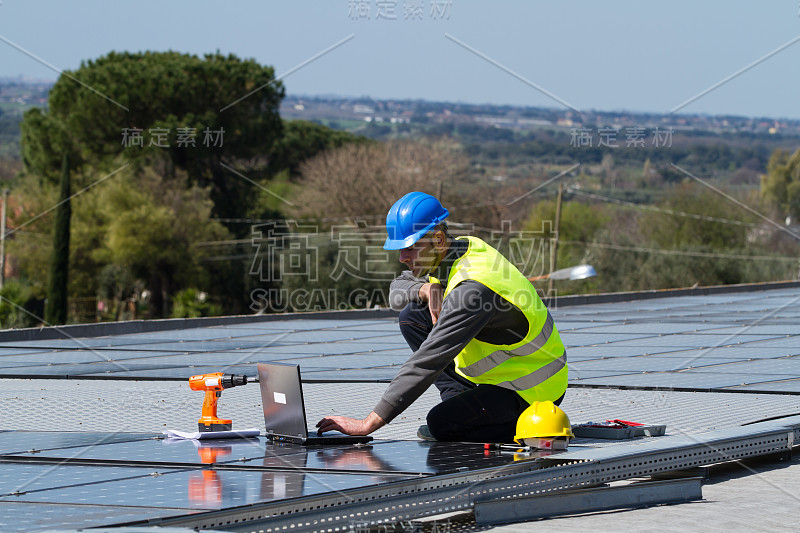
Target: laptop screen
[282, 399]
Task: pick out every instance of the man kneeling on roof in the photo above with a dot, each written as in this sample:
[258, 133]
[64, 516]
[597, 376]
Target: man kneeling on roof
[478, 330]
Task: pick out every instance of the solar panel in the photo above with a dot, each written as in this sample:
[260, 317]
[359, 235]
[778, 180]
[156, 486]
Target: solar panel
[190, 334]
[333, 362]
[376, 327]
[197, 358]
[608, 347]
[12, 442]
[25, 517]
[787, 342]
[5, 366]
[165, 452]
[320, 336]
[84, 356]
[573, 325]
[373, 349]
[652, 328]
[684, 379]
[83, 369]
[588, 339]
[784, 367]
[218, 346]
[791, 385]
[615, 350]
[294, 473]
[579, 375]
[762, 329]
[77, 343]
[4, 352]
[34, 479]
[300, 324]
[733, 353]
[399, 457]
[197, 489]
[358, 374]
[333, 348]
[648, 363]
[174, 373]
[694, 340]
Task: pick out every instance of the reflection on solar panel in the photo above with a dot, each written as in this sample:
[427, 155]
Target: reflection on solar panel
[384, 458]
[135, 487]
[164, 478]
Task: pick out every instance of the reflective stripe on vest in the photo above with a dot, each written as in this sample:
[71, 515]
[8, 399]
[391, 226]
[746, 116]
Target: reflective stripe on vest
[482, 366]
[536, 378]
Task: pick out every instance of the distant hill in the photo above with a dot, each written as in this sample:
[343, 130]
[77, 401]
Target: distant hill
[513, 136]
[520, 118]
[627, 151]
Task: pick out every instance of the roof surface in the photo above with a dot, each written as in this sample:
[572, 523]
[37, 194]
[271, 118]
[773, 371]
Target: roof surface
[694, 363]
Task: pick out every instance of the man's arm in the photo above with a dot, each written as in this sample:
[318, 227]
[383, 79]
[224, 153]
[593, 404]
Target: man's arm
[465, 312]
[433, 295]
[404, 289]
[468, 309]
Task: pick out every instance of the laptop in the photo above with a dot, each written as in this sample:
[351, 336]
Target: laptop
[284, 410]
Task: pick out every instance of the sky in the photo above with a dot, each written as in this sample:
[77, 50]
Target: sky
[642, 56]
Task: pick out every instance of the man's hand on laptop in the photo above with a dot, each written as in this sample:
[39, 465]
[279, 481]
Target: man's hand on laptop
[350, 426]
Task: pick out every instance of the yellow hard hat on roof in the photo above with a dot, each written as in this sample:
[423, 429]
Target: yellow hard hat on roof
[543, 420]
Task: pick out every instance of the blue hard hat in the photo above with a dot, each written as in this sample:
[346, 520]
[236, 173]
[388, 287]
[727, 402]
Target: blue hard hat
[410, 218]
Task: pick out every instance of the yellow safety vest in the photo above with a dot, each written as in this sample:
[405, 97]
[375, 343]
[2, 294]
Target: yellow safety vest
[535, 367]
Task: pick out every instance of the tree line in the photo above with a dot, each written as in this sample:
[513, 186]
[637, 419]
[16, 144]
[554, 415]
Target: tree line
[166, 184]
[145, 215]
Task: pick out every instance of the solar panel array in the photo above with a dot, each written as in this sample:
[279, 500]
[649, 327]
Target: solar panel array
[94, 479]
[737, 341]
[731, 342]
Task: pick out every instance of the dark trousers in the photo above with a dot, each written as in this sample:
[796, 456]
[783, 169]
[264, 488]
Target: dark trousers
[467, 413]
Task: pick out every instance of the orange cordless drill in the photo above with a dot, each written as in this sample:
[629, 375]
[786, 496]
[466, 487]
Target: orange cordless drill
[213, 385]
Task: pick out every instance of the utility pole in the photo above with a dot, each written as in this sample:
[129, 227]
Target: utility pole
[3, 238]
[554, 247]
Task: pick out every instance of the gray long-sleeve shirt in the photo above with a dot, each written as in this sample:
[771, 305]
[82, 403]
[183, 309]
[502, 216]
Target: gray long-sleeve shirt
[471, 310]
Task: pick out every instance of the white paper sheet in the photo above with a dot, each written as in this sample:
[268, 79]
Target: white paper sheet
[203, 435]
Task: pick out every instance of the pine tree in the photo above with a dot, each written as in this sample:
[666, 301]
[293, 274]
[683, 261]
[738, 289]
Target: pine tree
[56, 308]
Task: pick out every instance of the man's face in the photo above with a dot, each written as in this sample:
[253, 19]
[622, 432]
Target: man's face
[424, 256]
